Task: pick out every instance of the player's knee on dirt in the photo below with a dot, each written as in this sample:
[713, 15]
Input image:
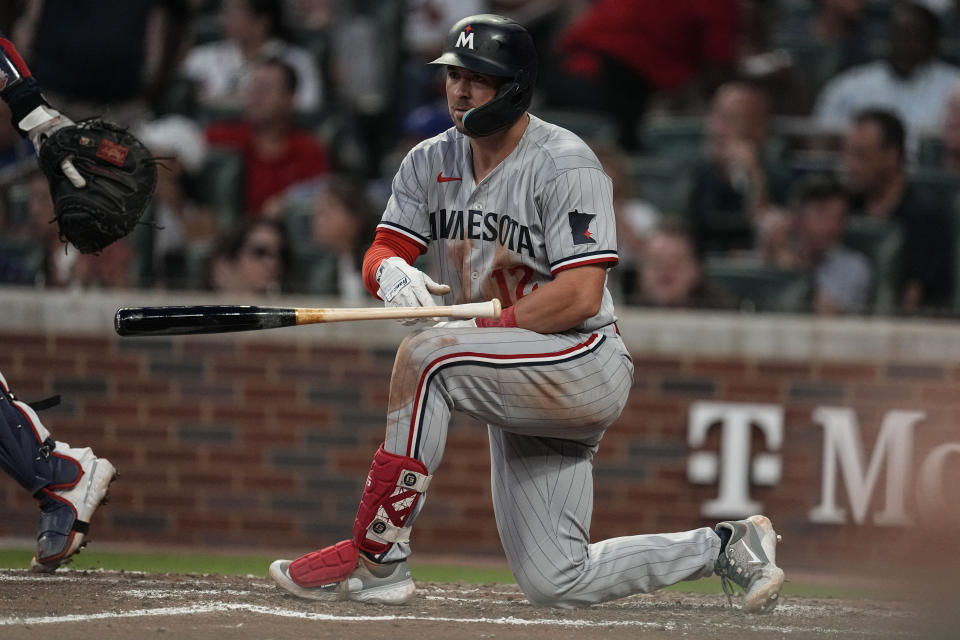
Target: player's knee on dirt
[390, 497]
[561, 589]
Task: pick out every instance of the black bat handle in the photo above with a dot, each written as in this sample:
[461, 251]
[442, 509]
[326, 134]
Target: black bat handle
[166, 321]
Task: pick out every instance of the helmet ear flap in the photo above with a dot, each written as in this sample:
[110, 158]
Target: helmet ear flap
[501, 112]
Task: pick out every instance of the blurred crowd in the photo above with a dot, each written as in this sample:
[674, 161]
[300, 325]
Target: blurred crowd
[770, 155]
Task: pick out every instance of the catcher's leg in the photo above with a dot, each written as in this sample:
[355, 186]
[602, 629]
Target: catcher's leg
[68, 483]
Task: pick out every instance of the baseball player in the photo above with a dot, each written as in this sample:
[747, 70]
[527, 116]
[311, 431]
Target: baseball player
[516, 208]
[69, 483]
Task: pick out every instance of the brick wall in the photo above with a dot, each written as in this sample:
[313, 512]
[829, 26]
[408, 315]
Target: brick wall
[253, 442]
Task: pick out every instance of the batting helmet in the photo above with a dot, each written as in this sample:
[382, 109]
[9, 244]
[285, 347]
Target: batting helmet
[496, 46]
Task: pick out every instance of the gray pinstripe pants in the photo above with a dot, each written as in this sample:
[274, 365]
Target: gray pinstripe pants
[547, 400]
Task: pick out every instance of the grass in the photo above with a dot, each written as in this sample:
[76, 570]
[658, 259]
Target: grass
[256, 565]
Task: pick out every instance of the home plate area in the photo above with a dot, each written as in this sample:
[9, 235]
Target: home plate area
[121, 605]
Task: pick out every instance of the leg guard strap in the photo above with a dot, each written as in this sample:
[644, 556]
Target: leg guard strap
[27, 452]
[390, 496]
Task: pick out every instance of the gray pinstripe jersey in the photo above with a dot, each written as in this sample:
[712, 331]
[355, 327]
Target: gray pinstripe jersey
[547, 398]
[547, 207]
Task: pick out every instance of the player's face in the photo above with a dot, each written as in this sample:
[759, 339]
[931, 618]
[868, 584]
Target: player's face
[467, 90]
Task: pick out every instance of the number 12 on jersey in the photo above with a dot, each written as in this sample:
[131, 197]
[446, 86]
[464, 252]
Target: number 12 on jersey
[513, 283]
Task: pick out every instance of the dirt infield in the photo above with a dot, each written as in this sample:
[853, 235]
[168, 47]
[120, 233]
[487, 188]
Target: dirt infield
[120, 606]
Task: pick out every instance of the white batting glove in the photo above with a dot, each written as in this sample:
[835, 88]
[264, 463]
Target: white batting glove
[402, 285]
[39, 125]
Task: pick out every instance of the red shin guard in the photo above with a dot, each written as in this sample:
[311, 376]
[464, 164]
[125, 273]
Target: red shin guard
[392, 491]
[326, 566]
[390, 495]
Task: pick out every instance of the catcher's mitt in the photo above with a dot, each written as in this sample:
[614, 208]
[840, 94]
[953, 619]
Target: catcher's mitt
[120, 175]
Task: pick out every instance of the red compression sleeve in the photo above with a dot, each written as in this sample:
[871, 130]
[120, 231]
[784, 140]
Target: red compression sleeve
[11, 53]
[387, 244]
[507, 319]
[18, 88]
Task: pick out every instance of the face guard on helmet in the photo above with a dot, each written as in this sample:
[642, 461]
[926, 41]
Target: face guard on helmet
[495, 46]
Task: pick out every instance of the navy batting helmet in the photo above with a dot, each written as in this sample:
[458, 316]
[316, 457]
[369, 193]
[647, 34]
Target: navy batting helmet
[500, 47]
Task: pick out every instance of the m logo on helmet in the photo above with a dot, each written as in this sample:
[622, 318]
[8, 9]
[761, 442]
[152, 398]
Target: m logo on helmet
[465, 39]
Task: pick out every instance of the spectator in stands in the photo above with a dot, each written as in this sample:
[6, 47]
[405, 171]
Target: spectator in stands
[344, 223]
[98, 60]
[833, 38]
[809, 238]
[636, 220]
[672, 275]
[12, 269]
[277, 155]
[840, 26]
[912, 81]
[56, 265]
[253, 30]
[178, 219]
[734, 183]
[951, 132]
[313, 15]
[873, 158]
[253, 258]
[773, 68]
[617, 54]
[426, 24]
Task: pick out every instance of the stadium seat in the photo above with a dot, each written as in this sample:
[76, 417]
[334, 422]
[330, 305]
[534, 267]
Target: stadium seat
[206, 27]
[589, 125]
[880, 242]
[930, 150]
[754, 286]
[937, 185]
[955, 221]
[661, 181]
[675, 137]
[219, 184]
[950, 50]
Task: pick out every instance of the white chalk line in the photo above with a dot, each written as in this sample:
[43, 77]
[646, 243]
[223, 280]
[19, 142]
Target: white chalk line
[787, 609]
[220, 607]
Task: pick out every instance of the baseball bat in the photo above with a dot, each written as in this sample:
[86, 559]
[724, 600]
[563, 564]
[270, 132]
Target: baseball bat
[167, 321]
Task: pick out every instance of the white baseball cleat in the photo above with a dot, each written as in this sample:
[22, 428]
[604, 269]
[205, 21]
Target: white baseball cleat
[379, 583]
[749, 560]
[65, 513]
[370, 582]
[280, 573]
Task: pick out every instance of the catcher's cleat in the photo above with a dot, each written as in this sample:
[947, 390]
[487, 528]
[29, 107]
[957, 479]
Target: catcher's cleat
[749, 560]
[65, 513]
[370, 582]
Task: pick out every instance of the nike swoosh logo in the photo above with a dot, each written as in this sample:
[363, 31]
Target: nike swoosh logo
[440, 178]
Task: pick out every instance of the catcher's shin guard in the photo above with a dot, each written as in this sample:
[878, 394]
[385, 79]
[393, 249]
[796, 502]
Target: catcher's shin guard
[391, 494]
[27, 452]
[68, 483]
